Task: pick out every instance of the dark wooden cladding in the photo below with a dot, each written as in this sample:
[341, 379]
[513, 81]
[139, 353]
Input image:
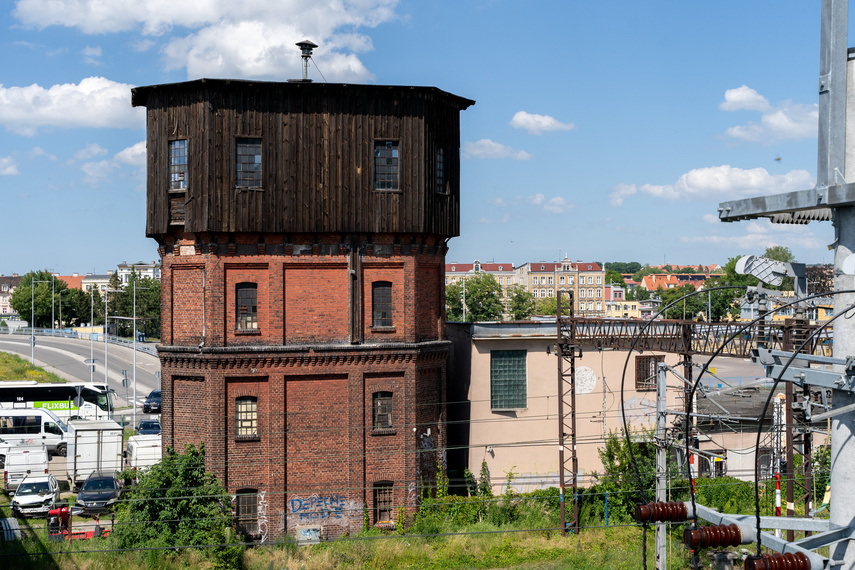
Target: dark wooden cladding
[317, 157]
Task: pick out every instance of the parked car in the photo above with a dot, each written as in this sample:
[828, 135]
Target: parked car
[149, 427]
[99, 494]
[152, 403]
[35, 496]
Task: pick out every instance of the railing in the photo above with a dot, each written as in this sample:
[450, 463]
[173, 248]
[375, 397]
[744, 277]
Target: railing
[688, 337]
[148, 348]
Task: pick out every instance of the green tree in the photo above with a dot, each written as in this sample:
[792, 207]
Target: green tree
[482, 295]
[620, 479]
[147, 306]
[646, 270]
[177, 503]
[614, 277]
[35, 296]
[688, 308]
[549, 306]
[521, 304]
[779, 253]
[637, 294]
[622, 266]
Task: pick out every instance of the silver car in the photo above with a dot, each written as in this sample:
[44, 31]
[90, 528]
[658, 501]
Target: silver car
[35, 496]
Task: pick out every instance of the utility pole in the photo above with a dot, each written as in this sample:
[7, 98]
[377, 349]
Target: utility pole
[661, 462]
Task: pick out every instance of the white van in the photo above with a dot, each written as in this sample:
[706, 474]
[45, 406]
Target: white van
[143, 451]
[23, 461]
[32, 426]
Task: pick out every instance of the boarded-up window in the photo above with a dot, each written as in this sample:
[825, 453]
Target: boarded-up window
[441, 172]
[246, 512]
[645, 371]
[383, 499]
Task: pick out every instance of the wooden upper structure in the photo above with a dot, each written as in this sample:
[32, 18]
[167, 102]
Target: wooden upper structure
[318, 144]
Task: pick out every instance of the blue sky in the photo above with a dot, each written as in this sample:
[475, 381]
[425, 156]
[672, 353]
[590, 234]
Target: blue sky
[604, 131]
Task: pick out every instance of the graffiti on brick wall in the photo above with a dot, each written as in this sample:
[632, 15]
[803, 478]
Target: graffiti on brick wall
[412, 495]
[325, 509]
[262, 515]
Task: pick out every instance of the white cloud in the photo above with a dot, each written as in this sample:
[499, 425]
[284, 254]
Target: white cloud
[97, 172]
[485, 148]
[39, 151]
[90, 151]
[761, 235]
[95, 102]
[787, 121]
[710, 218]
[743, 98]
[231, 39]
[538, 124]
[621, 192]
[8, 166]
[133, 155]
[716, 183]
[557, 205]
[91, 55]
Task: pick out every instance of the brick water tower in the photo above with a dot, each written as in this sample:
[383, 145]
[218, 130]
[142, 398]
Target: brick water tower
[303, 229]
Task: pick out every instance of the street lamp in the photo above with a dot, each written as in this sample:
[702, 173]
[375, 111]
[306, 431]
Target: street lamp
[33, 319]
[106, 291]
[135, 347]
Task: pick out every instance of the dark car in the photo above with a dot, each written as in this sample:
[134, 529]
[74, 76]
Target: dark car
[149, 427]
[99, 494]
[152, 403]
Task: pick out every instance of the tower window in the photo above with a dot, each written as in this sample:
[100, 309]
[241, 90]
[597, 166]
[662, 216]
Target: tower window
[441, 169]
[178, 164]
[247, 306]
[246, 417]
[382, 410]
[386, 171]
[383, 499]
[248, 163]
[381, 301]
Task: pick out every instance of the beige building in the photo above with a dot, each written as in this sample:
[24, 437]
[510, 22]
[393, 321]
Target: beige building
[505, 383]
[617, 306]
[543, 279]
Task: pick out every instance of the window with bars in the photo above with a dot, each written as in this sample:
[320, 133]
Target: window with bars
[248, 163]
[381, 304]
[246, 512]
[247, 306]
[441, 169]
[246, 417]
[645, 371]
[382, 404]
[178, 164]
[383, 502]
[386, 172]
[508, 380]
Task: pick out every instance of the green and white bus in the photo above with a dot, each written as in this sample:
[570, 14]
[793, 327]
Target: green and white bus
[96, 401]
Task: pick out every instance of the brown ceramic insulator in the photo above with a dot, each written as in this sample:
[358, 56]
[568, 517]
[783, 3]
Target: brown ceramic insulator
[661, 512]
[712, 536]
[789, 561]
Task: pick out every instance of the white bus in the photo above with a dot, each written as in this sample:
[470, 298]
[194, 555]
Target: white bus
[59, 397]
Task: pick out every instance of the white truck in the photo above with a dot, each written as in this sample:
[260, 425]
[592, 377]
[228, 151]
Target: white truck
[93, 446]
[143, 451]
[22, 461]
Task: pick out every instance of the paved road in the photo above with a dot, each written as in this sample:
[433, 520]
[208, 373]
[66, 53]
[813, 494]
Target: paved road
[65, 358]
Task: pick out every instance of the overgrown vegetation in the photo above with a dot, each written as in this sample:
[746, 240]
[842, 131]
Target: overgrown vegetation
[177, 503]
[15, 368]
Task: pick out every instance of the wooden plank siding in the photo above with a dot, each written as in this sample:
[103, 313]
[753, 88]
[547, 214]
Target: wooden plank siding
[317, 156]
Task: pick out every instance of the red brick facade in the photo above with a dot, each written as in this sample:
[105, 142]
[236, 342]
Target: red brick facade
[316, 455]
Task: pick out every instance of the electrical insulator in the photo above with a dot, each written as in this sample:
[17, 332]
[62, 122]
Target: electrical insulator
[712, 536]
[661, 512]
[788, 561]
